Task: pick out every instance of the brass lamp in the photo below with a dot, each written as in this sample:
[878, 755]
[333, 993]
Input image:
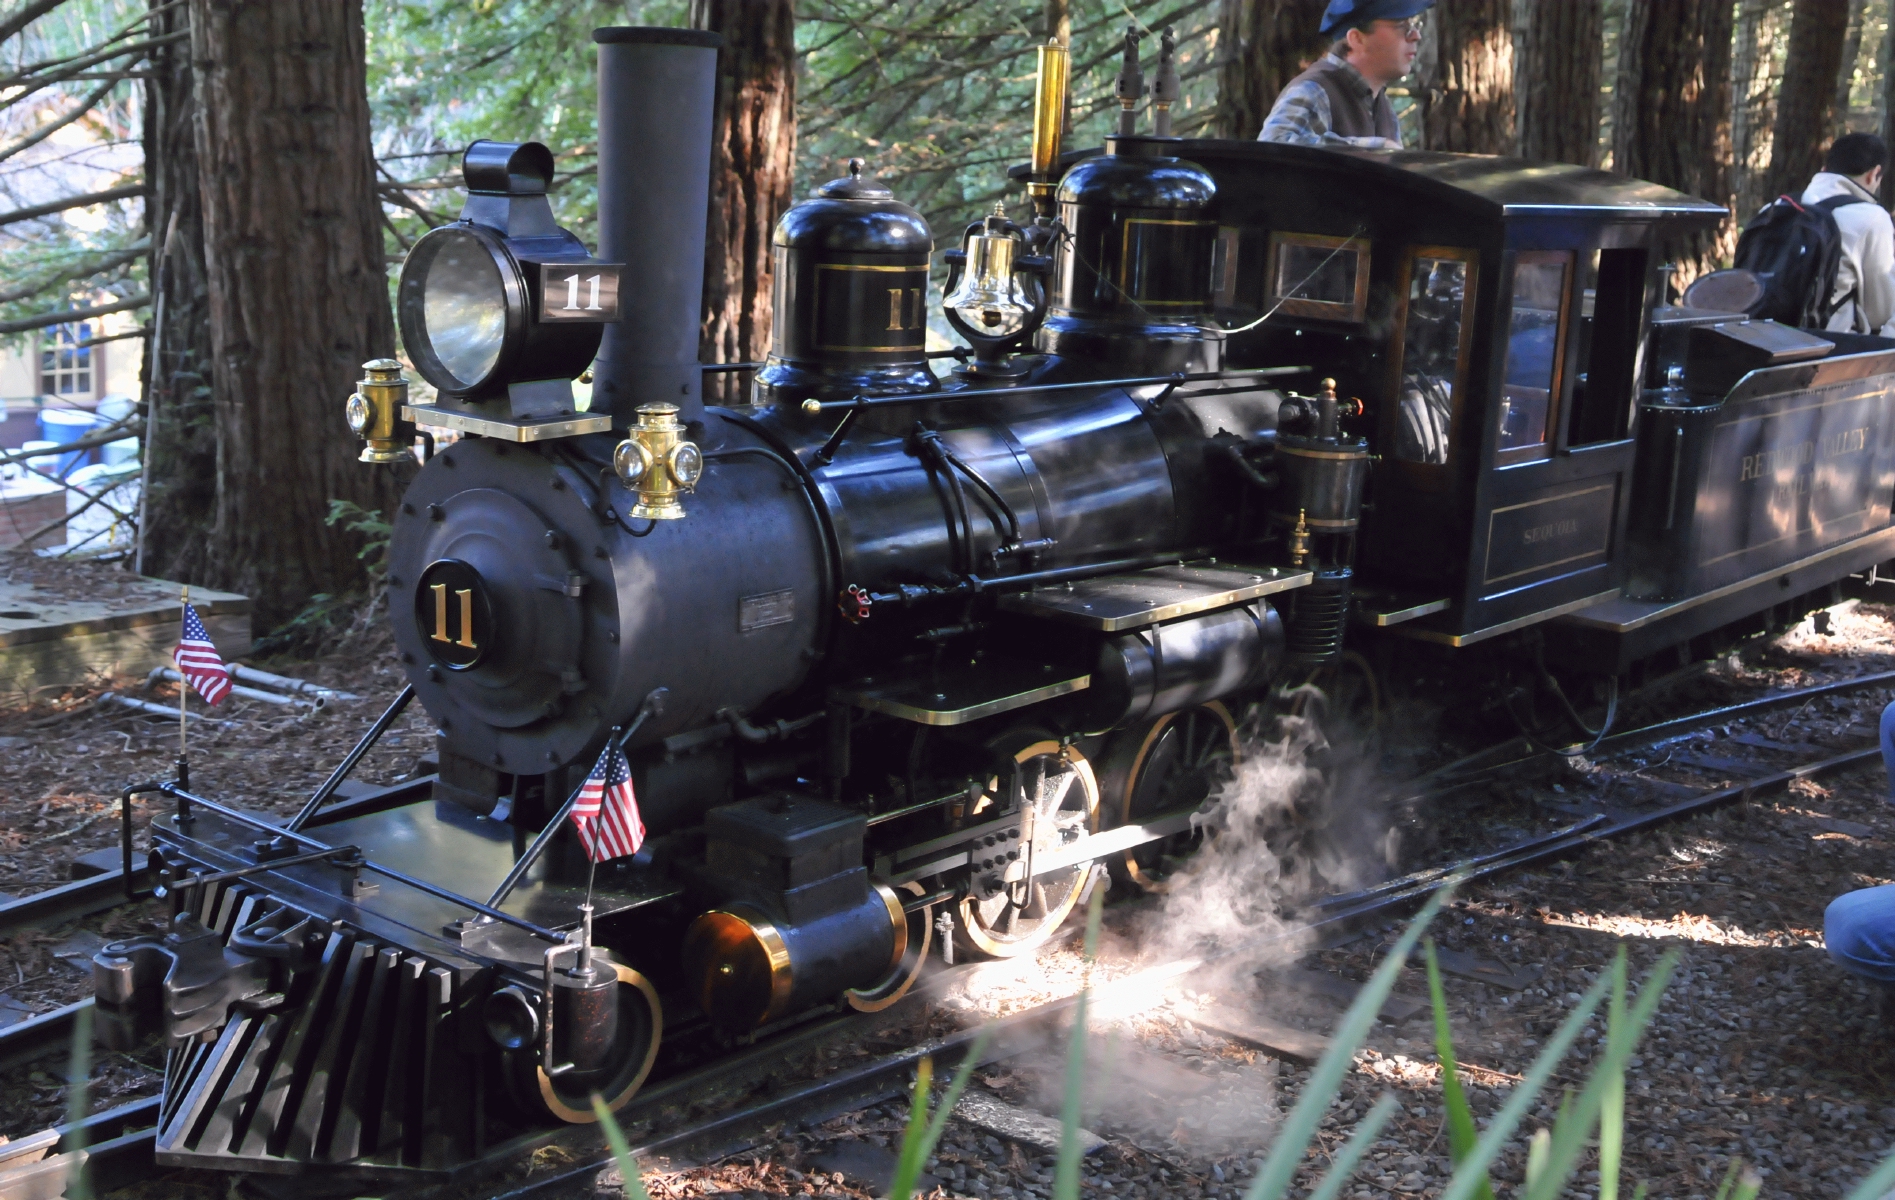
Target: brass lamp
[373, 408]
[656, 464]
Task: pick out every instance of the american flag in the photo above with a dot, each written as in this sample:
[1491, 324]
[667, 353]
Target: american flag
[198, 660]
[606, 811]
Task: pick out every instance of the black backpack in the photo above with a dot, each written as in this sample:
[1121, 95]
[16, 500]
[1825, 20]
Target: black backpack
[1795, 248]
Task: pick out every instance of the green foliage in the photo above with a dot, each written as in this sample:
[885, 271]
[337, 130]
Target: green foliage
[615, 1137]
[374, 530]
[939, 96]
[64, 259]
[1460, 1116]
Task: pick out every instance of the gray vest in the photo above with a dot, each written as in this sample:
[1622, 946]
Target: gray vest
[1350, 115]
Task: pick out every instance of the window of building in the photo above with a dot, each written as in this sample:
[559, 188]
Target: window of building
[66, 363]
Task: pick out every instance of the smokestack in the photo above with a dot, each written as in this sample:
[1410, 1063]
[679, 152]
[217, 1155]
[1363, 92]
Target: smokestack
[656, 90]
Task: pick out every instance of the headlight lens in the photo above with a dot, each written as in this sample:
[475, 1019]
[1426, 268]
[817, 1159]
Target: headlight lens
[687, 464]
[453, 309]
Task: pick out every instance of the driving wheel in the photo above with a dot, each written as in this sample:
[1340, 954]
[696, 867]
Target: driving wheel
[1059, 801]
[1182, 759]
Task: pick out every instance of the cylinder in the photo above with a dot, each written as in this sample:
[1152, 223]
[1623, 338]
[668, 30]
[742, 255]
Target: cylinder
[585, 1018]
[748, 968]
[1321, 481]
[1174, 666]
[657, 88]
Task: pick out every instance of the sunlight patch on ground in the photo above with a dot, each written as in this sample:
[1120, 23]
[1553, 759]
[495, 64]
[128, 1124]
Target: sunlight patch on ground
[1689, 927]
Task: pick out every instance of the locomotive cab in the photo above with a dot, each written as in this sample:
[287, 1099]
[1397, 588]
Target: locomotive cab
[1492, 314]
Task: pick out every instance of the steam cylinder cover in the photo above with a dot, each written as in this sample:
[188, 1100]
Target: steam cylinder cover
[851, 296]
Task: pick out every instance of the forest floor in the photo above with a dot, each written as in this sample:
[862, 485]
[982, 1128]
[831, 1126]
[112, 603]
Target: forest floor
[1763, 1049]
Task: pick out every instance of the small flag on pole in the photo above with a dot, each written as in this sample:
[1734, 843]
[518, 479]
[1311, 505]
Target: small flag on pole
[198, 660]
[606, 812]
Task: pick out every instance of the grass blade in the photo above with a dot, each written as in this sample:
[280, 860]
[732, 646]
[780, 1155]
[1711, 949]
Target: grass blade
[1612, 1110]
[1473, 1172]
[1300, 1126]
[1539, 1150]
[1574, 1129]
[1878, 1183]
[1343, 1165]
[78, 1094]
[1462, 1133]
[615, 1137]
[919, 1140]
[1066, 1172]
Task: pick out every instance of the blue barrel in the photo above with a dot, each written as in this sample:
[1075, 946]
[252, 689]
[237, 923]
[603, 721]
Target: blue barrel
[63, 425]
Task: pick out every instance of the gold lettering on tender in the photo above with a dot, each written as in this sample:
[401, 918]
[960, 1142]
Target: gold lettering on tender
[1769, 462]
[894, 308]
[467, 618]
[1849, 441]
[440, 613]
[921, 307]
[1546, 533]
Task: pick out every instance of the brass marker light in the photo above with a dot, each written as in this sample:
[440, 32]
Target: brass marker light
[372, 410]
[657, 464]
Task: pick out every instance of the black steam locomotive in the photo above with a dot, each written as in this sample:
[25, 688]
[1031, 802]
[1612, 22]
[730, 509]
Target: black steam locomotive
[901, 655]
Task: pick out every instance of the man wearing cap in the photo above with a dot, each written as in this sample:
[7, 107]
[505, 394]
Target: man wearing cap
[1343, 99]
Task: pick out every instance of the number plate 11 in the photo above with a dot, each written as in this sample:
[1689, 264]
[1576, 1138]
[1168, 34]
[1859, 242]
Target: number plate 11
[579, 291]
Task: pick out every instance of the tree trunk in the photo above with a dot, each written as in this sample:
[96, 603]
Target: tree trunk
[1753, 100]
[1886, 62]
[1671, 117]
[1556, 81]
[1261, 46]
[753, 155]
[297, 287]
[180, 442]
[1464, 78]
[1817, 31]
[1846, 75]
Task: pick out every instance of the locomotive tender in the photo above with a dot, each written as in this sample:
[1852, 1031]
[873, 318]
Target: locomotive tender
[901, 657]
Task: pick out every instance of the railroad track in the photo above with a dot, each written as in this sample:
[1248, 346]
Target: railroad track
[119, 1140]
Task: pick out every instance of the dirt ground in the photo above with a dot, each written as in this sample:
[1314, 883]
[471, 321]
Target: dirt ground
[1763, 1049]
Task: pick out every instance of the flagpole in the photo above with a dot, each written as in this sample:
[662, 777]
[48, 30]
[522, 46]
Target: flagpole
[184, 604]
[585, 910]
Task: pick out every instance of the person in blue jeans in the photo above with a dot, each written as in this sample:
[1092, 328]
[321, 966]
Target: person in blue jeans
[1859, 926]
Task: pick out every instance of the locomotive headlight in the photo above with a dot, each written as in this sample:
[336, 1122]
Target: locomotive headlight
[504, 302]
[656, 464]
[456, 305]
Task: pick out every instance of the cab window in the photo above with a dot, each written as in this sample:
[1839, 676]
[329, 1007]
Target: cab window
[1531, 384]
[1325, 278]
[1438, 296]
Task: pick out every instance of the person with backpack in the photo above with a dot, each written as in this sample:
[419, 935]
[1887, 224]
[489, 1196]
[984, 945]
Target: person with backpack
[1827, 259]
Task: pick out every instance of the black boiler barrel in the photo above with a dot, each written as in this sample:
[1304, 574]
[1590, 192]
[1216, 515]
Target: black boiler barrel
[657, 87]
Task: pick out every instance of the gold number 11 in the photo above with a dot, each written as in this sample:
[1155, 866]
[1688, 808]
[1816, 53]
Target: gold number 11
[466, 597]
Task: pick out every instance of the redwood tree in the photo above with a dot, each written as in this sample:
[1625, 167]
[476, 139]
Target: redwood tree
[297, 289]
[1671, 114]
[1464, 77]
[1261, 46]
[753, 153]
[1817, 32]
[180, 447]
[1556, 82]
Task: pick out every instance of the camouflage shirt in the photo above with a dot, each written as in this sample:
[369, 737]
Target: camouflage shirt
[1301, 115]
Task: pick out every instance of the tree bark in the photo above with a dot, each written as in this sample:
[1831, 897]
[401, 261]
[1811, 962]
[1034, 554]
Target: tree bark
[1846, 74]
[297, 289]
[1261, 46]
[180, 443]
[1886, 63]
[1464, 77]
[1753, 100]
[1817, 31]
[1556, 81]
[753, 155]
[1671, 119]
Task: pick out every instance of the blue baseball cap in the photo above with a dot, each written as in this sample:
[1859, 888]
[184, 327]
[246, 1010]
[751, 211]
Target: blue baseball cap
[1349, 12]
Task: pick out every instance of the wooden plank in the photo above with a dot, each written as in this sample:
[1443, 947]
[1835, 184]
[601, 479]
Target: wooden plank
[1298, 1045]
